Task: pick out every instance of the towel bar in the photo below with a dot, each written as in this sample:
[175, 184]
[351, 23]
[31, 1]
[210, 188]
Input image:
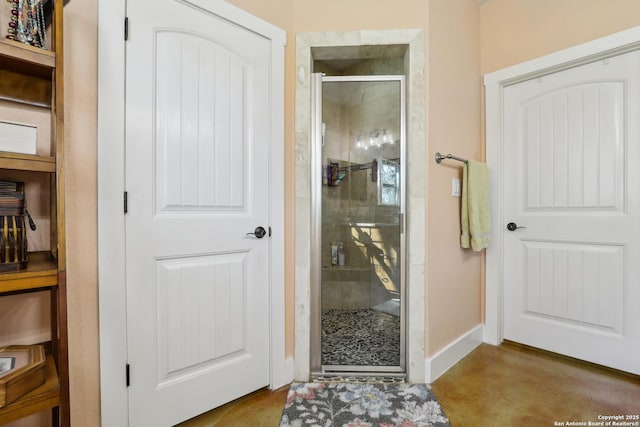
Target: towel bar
[440, 157]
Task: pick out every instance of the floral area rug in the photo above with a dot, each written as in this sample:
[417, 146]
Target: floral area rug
[362, 405]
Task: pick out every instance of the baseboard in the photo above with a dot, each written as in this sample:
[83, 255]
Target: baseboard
[286, 376]
[442, 361]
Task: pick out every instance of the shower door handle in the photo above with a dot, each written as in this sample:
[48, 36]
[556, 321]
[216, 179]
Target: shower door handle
[259, 232]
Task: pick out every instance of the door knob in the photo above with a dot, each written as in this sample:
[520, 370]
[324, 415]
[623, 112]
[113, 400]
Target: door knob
[259, 232]
[512, 226]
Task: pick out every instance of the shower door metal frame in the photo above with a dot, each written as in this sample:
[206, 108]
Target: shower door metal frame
[317, 79]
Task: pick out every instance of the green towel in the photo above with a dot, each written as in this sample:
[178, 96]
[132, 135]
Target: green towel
[476, 210]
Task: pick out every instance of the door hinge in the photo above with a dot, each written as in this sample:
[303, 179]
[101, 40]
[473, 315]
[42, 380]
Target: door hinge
[126, 202]
[128, 375]
[126, 28]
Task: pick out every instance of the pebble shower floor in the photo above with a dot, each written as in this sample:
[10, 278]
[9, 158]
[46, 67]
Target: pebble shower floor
[360, 338]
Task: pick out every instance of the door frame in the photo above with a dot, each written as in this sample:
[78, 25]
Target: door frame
[111, 186]
[415, 219]
[495, 83]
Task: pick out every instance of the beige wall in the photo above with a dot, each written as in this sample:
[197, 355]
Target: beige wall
[453, 275]
[81, 77]
[513, 31]
[355, 15]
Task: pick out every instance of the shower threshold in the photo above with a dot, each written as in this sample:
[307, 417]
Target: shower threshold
[361, 369]
[360, 377]
[360, 374]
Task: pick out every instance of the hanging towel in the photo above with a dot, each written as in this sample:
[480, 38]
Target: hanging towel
[476, 211]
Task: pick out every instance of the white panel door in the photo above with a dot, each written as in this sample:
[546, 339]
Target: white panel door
[572, 186]
[197, 138]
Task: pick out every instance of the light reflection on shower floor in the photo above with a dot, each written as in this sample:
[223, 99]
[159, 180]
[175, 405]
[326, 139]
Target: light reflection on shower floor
[360, 337]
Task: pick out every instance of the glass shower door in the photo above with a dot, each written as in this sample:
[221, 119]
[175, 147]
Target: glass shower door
[361, 221]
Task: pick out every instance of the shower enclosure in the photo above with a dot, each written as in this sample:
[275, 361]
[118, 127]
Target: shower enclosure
[357, 225]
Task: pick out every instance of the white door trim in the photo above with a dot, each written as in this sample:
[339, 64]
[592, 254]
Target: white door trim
[111, 185]
[494, 86]
[415, 195]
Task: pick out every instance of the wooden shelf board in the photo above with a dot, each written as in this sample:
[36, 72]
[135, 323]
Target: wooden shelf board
[45, 397]
[27, 162]
[41, 272]
[22, 57]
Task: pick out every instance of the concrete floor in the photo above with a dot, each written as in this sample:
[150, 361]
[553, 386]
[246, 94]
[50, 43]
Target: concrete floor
[512, 385]
[509, 385]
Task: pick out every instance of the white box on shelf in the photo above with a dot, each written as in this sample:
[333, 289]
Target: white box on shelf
[18, 137]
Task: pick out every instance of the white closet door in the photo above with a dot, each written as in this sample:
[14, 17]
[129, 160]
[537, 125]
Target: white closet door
[197, 164]
[572, 178]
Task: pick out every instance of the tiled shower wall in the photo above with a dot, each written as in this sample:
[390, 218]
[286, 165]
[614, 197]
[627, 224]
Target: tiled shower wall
[371, 243]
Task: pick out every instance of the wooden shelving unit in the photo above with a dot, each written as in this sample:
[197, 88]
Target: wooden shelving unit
[33, 77]
[41, 272]
[45, 397]
[41, 59]
[27, 162]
